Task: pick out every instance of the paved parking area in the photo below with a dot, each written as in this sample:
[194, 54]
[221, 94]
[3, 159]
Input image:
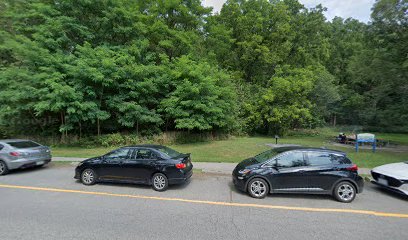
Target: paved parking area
[48, 203]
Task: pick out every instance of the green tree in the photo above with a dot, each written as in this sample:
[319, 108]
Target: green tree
[284, 104]
[379, 72]
[201, 97]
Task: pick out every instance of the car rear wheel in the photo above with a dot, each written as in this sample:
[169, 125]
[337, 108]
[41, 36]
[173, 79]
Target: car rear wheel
[258, 188]
[3, 168]
[88, 177]
[160, 182]
[344, 192]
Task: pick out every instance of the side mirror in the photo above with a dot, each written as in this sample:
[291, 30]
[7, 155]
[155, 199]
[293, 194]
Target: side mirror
[272, 167]
[275, 167]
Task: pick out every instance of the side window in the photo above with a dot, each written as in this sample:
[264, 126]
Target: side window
[118, 154]
[133, 153]
[1, 147]
[322, 158]
[291, 159]
[145, 154]
[339, 159]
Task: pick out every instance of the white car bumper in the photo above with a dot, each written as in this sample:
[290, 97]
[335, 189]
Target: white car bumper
[391, 183]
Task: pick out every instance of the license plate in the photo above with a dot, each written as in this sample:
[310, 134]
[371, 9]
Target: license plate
[383, 181]
[40, 163]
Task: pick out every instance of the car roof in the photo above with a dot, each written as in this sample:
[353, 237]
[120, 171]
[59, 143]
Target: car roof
[311, 149]
[13, 140]
[154, 146]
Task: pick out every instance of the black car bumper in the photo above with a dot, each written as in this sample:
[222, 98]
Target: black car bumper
[77, 174]
[360, 184]
[182, 180]
[240, 184]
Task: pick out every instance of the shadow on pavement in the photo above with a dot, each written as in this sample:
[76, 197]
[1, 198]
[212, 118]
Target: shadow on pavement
[140, 186]
[27, 170]
[283, 195]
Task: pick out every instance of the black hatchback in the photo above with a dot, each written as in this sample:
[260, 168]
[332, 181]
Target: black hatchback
[299, 170]
[155, 165]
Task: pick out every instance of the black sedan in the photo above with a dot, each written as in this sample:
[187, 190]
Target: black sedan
[299, 170]
[155, 165]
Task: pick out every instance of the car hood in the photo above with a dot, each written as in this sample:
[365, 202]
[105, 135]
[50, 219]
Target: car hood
[91, 160]
[246, 163]
[395, 170]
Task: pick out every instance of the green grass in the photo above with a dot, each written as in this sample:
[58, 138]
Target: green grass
[394, 137]
[79, 152]
[236, 149]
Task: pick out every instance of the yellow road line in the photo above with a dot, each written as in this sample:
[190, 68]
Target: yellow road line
[305, 209]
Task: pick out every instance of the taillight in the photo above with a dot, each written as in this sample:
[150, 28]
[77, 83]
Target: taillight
[353, 168]
[180, 165]
[15, 154]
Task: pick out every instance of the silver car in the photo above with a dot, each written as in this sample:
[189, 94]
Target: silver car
[393, 176]
[17, 153]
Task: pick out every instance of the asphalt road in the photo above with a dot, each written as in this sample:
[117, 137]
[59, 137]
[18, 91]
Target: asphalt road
[48, 203]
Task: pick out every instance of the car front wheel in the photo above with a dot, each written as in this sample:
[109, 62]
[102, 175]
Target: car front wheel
[258, 188]
[344, 192]
[88, 177]
[160, 182]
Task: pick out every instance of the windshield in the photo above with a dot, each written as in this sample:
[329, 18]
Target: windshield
[23, 144]
[169, 152]
[262, 157]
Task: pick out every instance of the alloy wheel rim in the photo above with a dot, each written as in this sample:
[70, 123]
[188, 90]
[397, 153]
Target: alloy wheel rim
[345, 192]
[2, 167]
[258, 188]
[88, 177]
[159, 182]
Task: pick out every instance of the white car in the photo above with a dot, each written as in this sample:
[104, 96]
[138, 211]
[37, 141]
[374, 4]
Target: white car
[392, 176]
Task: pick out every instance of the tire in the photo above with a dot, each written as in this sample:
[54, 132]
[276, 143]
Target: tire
[160, 182]
[88, 177]
[344, 192]
[258, 188]
[3, 168]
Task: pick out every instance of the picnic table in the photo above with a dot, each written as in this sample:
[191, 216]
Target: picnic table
[351, 140]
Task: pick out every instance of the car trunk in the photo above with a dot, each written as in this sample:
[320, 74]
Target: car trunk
[40, 152]
[186, 159]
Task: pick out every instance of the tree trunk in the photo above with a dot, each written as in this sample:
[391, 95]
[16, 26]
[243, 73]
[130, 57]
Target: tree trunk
[62, 123]
[80, 130]
[100, 106]
[334, 120]
[98, 125]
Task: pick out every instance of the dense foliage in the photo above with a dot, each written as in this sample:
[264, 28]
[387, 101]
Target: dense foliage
[90, 67]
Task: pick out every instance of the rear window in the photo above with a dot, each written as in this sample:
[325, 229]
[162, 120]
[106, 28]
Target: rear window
[24, 144]
[322, 158]
[169, 152]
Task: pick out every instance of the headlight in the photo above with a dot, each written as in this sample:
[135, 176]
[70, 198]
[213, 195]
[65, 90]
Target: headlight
[244, 171]
[404, 187]
[80, 164]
